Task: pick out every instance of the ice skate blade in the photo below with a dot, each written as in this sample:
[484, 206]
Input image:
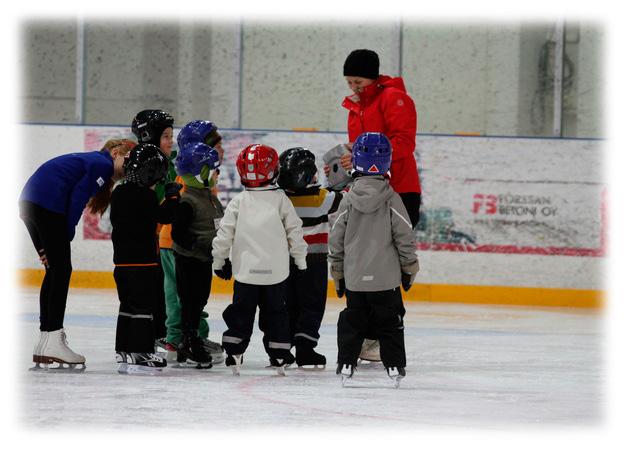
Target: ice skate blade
[312, 367]
[139, 370]
[236, 371]
[217, 358]
[280, 370]
[58, 368]
[346, 380]
[190, 364]
[396, 381]
[368, 361]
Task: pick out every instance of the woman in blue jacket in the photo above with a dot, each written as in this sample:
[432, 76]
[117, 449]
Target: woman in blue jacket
[51, 205]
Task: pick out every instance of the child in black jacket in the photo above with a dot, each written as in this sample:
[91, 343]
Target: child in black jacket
[135, 214]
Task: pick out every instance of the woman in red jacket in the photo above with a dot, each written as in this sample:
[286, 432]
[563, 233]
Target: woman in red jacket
[380, 103]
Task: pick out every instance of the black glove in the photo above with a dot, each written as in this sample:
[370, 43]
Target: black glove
[172, 190]
[406, 281]
[225, 273]
[340, 288]
[300, 273]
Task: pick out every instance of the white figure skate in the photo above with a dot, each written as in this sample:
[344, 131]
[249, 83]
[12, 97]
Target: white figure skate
[53, 349]
[370, 351]
[37, 351]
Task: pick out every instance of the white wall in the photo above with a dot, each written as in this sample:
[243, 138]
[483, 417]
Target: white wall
[521, 247]
[481, 77]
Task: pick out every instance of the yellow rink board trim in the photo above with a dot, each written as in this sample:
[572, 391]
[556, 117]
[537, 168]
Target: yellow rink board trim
[499, 295]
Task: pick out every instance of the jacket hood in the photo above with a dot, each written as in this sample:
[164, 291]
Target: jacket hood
[369, 193]
[393, 82]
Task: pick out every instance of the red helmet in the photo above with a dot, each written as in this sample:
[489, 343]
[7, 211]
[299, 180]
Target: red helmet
[257, 165]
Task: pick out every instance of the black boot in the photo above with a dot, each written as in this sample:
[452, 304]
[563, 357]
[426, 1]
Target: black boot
[307, 357]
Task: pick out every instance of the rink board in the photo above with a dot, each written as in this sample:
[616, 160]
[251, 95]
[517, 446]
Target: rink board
[499, 295]
[504, 220]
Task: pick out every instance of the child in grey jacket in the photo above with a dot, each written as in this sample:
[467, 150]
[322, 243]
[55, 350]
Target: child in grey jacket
[372, 251]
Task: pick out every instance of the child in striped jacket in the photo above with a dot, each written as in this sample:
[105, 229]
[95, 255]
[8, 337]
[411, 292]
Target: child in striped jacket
[307, 291]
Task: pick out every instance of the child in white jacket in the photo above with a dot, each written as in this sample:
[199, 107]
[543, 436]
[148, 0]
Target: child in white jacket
[262, 228]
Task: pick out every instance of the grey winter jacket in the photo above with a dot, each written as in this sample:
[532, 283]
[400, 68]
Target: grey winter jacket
[372, 241]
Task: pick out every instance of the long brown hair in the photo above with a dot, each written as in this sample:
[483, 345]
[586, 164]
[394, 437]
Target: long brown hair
[99, 202]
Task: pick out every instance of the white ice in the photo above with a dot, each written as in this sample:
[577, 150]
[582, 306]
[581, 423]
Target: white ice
[469, 366]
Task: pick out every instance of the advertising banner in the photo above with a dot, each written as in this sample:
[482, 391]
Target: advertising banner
[486, 195]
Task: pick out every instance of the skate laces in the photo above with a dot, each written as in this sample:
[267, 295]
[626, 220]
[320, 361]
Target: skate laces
[64, 338]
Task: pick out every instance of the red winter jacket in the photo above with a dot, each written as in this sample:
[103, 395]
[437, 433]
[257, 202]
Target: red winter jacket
[385, 107]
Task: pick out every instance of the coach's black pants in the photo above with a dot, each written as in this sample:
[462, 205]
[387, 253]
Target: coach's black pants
[378, 312]
[138, 288]
[412, 203]
[49, 233]
[239, 317]
[194, 278]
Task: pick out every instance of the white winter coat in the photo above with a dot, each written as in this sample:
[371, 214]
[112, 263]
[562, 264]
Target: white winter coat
[262, 228]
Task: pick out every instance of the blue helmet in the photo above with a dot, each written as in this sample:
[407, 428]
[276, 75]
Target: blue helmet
[372, 154]
[193, 157]
[198, 131]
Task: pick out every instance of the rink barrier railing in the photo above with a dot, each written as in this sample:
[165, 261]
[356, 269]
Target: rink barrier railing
[420, 292]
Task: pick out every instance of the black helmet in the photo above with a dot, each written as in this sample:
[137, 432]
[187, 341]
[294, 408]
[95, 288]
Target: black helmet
[149, 125]
[297, 169]
[145, 165]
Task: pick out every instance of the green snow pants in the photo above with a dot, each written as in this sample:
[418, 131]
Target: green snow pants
[174, 309]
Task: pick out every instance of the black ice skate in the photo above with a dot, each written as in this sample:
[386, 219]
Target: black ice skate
[214, 349]
[396, 374]
[191, 352]
[309, 360]
[234, 362]
[346, 371]
[147, 363]
[281, 363]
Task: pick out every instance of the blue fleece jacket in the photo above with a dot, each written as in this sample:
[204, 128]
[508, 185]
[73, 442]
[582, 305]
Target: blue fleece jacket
[65, 183]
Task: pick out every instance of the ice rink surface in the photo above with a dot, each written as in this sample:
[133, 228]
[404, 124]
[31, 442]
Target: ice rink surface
[473, 367]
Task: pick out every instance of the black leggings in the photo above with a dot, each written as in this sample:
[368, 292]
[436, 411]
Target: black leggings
[49, 233]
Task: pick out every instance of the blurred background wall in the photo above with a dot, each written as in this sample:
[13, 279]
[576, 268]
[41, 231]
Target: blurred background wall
[487, 78]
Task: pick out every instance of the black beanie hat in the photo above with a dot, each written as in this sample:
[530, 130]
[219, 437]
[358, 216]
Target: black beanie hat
[362, 63]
